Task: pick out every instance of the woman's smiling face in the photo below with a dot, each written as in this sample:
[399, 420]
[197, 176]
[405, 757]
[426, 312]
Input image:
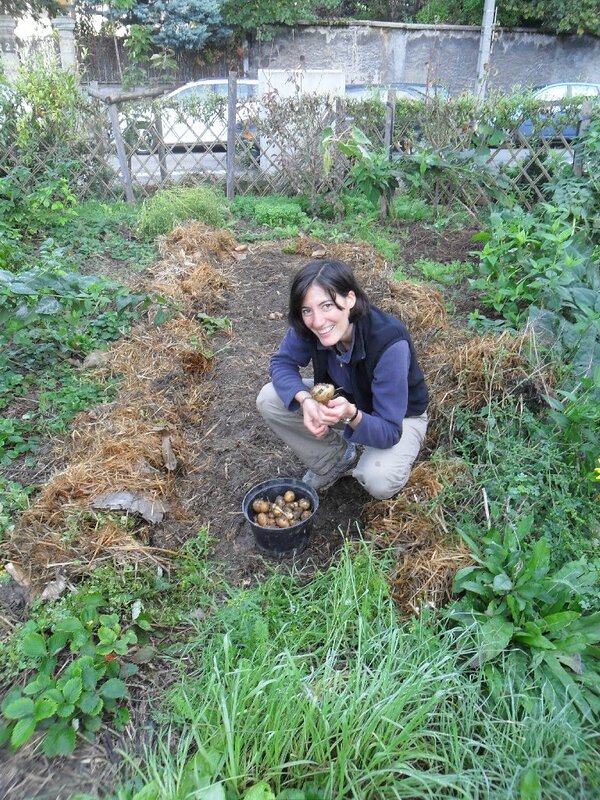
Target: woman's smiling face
[328, 320]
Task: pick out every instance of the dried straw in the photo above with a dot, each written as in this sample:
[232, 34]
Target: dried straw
[425, 577]
[135, 443]
[418, 305]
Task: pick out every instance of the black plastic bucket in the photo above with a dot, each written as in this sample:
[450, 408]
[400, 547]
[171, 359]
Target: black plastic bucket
[281, 542]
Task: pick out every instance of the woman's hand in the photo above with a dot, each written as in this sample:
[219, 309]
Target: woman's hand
[314, 421]
[336, 410]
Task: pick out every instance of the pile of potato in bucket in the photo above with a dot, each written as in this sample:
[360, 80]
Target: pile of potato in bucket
[284, 511]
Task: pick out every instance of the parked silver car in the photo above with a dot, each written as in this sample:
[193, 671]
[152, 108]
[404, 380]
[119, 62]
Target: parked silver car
[191, 116]
[196, 114]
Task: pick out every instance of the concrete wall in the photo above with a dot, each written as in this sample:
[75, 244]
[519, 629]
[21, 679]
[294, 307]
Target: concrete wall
[382, 52]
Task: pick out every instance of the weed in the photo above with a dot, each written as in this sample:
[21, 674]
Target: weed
[515, 606]
[409, 209]
[213, 325]
[103, 231]
[79, 671]
[13, 499]
[286, 677]
[170, 207]
[526, 469]
[449, 273]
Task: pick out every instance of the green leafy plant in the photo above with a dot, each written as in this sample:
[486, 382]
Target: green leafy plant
[447, 273]
[372, 171]
[13, 498]
[576, 414]
[79, 668]
[532, 259]
[517, 608]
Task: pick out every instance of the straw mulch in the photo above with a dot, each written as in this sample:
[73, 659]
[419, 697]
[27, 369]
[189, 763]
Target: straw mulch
[414, 526]
[368, 265]
[418, 305]
[137, 443]
[193, 263]
[464, 370]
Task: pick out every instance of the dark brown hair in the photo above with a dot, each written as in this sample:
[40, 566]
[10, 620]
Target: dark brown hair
[335, 278]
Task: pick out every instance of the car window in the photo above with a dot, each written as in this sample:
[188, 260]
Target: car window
[246, 90]
[584, 91]
[189, 92]
[552, 93]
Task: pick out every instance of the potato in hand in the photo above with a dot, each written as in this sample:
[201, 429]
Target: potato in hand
[323, 392]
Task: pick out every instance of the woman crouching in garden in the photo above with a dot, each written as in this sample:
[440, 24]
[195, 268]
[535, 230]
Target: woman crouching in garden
[374, 426]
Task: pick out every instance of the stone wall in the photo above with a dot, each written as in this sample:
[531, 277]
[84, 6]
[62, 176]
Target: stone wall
[382, 52]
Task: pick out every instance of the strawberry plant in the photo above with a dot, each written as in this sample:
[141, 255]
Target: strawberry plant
[79, 668]
[527, 619]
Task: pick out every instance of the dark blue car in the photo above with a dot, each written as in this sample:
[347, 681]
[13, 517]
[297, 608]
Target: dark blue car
[552, 96]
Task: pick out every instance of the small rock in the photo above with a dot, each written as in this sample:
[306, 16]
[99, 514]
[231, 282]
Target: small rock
[275, 315]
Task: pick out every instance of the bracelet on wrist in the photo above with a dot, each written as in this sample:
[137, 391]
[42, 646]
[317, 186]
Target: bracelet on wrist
[348, 420]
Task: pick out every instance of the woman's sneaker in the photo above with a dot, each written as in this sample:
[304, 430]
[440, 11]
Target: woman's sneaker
[344, 467]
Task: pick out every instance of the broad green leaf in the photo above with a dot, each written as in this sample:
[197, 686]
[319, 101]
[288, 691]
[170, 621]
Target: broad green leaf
[573, 691]
[93, 724]
[18, 708]
[495, 636]
[90, 703]
[59, 740]
[65, 710]
[562, 619]
[34, 645]
[37, 685]
[22, 732]
[200, 771]
[106, 635]
[261, 791]
[534, 640]
[44, 709]
[529, 785]
[68, 625]
[89, 677]
[151, 791]
[72, 690]
[57, 641]
[502, 583]
[589, 626]
[214, 792]
[114, 689]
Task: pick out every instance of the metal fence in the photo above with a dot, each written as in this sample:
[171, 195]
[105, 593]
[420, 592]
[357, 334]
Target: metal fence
[129, 145]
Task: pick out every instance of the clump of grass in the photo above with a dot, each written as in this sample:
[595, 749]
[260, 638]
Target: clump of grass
[319, 685]
[170, 207]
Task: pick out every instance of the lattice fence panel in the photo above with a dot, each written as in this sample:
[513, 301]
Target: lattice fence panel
[456, 157]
